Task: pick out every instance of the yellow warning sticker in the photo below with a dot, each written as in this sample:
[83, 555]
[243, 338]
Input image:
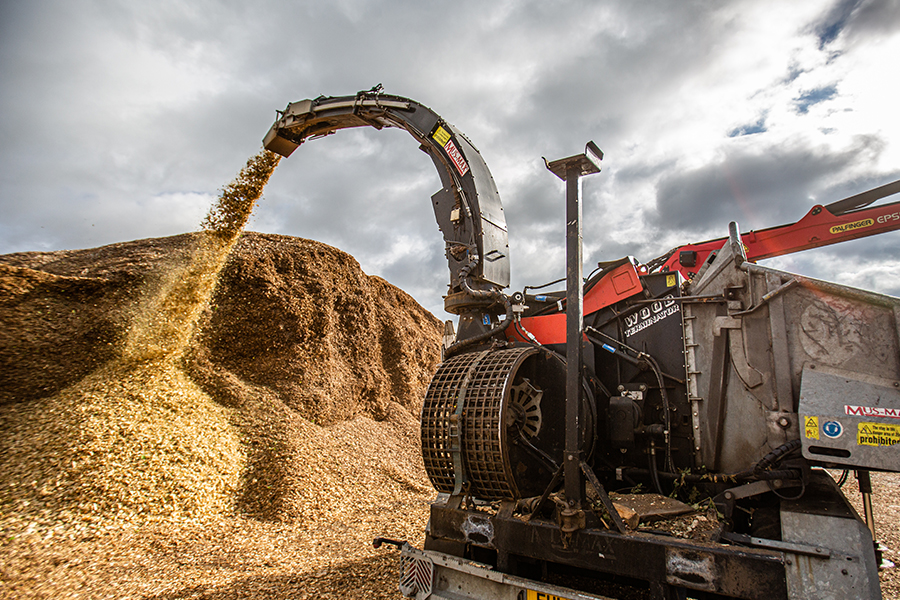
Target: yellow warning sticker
[671, 280]
[811, 424]
[441, 135]
[851, 226]
[877, 434]
[534, 595]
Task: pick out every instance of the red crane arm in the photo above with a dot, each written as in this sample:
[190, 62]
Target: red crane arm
[822, 226]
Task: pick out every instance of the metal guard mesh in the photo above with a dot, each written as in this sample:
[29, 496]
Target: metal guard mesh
[483, 440]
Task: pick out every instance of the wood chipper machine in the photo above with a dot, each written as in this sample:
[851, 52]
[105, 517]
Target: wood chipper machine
[564, 431]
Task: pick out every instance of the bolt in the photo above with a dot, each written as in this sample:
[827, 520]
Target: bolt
[843, 571]
[897, 384]
[788, 562]
[784, 422]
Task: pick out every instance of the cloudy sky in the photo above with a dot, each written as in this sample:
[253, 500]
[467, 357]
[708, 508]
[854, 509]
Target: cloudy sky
[122, 120]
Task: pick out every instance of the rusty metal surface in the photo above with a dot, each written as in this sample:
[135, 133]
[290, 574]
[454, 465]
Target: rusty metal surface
[749, 573]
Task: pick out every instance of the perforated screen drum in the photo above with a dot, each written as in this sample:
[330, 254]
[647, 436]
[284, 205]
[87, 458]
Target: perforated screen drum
[499, 414]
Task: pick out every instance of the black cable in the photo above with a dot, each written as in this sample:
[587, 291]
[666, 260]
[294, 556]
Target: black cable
[843, 478]
[657, 370]
[454, 349]
[592, 273]
[667, 417]
[538, 287]
[775, 456]
[797, 497]
[654, 472]
[493, 294]
[526, 335]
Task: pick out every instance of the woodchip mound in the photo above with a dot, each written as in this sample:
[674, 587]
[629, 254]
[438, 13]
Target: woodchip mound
[260, 457]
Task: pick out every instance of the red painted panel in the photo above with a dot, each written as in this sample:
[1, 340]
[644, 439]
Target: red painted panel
[620, 283]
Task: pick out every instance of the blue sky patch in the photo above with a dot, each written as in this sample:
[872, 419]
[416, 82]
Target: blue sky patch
[813, 97]
[750, 128]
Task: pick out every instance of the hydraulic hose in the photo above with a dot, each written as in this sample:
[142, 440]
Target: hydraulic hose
[493, 294]
[757, 471]
[667, 416]
[775, 456]
[654, 472]
[500, 328]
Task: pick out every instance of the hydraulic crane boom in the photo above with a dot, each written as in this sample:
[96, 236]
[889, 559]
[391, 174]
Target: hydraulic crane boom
[840, 221]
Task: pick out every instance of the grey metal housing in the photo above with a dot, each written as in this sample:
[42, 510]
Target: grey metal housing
[777, 335]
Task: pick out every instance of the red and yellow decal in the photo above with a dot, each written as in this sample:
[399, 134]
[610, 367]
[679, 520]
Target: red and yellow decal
[442, 137]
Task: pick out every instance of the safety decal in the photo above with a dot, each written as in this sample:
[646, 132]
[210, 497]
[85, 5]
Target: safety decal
[441, 135]
[811, 424]
[456, 157]
[878, 434]
[671, 280]
[832, 429]
[872, 411]
[851, 226]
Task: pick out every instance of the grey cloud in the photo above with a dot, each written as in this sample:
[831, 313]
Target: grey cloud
[857, 19]
[833, 23]
[762, 188]
[875, 17]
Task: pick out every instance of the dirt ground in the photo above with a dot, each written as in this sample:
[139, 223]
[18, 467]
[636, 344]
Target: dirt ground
[234, 558]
